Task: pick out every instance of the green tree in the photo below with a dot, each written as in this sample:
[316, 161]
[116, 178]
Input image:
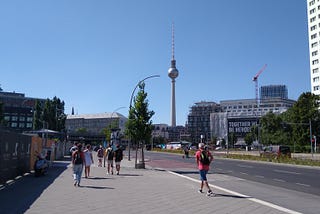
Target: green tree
[139, 124]
[297, 119]
[50, 114]
[272, 131]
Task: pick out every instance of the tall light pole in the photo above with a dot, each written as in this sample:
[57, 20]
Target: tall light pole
[130, 106]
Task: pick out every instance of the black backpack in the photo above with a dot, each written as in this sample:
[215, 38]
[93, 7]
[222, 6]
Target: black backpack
[77, 158]
[110, 154]
[204, 158]
[118, 155]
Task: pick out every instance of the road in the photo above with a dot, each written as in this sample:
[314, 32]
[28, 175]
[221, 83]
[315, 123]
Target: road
[294, 187]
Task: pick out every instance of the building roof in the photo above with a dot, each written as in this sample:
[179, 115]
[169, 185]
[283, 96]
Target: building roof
[96, 116]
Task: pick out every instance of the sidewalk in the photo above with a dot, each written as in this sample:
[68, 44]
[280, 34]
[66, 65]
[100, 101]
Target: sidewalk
[133, 191]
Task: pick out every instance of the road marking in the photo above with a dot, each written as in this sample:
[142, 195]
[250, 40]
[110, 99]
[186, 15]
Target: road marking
[265, 203]
[243, 173]
[245, 166]
[259, 176]
[306, 185]
[288, 172]
[280, 180]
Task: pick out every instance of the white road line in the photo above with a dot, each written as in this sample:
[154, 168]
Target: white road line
[244, 166]
[243, 173]
[280, 180]
[259, 176]
[288, 172]
[306, 185]
[265, 203]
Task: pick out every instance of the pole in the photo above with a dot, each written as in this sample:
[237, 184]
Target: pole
[311, 150]
[315, 144]
[130, 106]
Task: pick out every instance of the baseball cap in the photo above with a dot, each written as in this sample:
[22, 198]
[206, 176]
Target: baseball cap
[201, 145]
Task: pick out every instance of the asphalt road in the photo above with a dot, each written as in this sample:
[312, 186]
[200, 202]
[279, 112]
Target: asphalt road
[293, 187]
[299, 178]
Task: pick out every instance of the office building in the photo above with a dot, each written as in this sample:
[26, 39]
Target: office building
[314, 40]
[238, 116]
[199, 120]
[18, 111]
[273, 91]
[91, 126]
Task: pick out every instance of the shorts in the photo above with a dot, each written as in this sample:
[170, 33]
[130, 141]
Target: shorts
[118, 163]
[110, 162]
[203, 175]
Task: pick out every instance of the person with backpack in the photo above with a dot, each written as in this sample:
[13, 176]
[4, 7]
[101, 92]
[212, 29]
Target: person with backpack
[118, 156]
[100, 155]
[77, 164]
[109, 155]
[204, 158]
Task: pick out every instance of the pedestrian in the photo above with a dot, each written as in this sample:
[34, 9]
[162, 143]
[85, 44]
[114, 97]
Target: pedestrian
[109, 155]
[88, 159]
[203, 159]
[118, 156]
[100, 155]
[186, 152]
[73, 148]
[77, 164]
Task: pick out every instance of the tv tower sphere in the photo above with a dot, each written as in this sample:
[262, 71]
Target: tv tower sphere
[173, 71]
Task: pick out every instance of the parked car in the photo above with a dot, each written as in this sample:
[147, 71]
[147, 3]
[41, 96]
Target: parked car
[276, 151]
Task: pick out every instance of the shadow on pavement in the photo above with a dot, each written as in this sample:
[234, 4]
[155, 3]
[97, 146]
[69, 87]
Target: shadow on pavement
[97, 178]
[129, 175]
[94, 187]
[186, 172]
[21, 194]
[230, 196]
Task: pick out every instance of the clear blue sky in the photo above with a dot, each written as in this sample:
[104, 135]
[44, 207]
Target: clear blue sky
[92, 53]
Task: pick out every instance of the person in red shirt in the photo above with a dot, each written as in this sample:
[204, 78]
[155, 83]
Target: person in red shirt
[204, 158]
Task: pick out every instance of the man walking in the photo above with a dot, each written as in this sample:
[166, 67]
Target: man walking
[203, 159]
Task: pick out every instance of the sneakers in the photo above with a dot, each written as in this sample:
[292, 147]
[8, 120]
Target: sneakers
[210, 193]
[200, 191]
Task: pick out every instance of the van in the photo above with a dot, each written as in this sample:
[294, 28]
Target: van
[276, 151]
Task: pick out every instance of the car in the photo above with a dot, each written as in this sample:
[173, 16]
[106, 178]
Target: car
[276, 151]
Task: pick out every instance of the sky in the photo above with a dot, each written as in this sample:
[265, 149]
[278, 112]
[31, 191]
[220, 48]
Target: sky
[92, 53]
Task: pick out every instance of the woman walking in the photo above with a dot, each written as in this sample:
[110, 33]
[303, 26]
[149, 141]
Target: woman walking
[77, 164]
[88, 159]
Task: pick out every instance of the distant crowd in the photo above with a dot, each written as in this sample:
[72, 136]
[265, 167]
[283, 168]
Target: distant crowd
[83, 158]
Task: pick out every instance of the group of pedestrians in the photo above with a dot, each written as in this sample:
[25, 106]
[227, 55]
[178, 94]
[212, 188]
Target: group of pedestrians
[84, 159]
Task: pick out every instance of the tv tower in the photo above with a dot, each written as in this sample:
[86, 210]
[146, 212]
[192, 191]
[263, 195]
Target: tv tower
[173, 74]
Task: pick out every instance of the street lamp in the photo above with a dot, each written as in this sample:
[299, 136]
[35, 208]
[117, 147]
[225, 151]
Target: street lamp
[130, 106]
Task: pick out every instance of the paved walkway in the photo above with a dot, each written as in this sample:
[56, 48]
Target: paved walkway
[133, 191]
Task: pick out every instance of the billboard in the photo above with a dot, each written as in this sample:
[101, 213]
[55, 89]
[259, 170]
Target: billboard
[241, 126]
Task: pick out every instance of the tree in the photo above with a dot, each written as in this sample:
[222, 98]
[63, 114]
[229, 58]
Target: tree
[297, 119]
[272, 131]
[139, 124]
[50, 114]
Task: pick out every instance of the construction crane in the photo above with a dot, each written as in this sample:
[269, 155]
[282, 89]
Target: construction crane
[255, 79]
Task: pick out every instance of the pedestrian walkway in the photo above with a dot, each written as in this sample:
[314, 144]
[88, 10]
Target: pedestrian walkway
[133, 191]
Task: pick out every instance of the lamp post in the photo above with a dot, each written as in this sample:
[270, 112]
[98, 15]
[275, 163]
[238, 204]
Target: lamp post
[130, 106]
